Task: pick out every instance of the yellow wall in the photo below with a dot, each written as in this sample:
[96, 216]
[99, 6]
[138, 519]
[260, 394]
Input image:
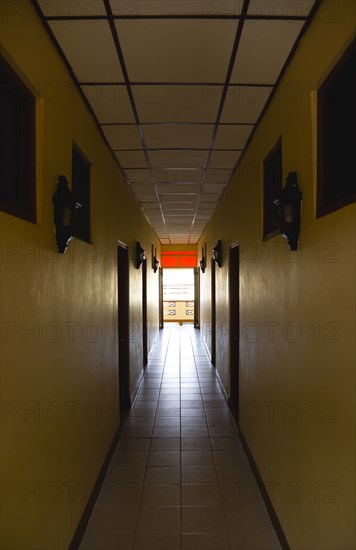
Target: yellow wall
[297, 399]
[59, 383]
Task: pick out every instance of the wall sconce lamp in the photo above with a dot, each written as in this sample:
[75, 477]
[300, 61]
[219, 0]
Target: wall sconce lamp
[217, 250]
[289, 210]
[155, 262]
[140, 255]
[65, 213]
[202, 262]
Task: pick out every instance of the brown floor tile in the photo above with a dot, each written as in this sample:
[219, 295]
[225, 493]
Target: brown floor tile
[156, 542]
[236, 472]
[247, 517]
[164, 458]
[195, 431]
[126, 474]
[101, 541]
[129, 458]
[204, 519]
[229, 457]
[120, 494]
[160, 495]
[166, 431]
[205, 541]
[138, 431]
[199, 474]
[189, 421]
[164, 474]
[179, 478]
[197, 458]
[134, 444]
[225, 443]
[165, 444]
[159, 520]
[195, 444]
[251, 540]
[112, 519]
[201, 494]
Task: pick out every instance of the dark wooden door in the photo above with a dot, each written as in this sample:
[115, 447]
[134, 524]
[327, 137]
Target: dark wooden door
[213, 314]
[123, 329]
[234, 306]
[196, 298]
[160, 278]
[144, 312]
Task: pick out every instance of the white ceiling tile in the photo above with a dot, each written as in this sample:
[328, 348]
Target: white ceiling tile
[209, 197]
[178, 159]
[178, 176]
[138, 176]
[224, 159]
[79, 8]
[86, 44]
[175, 7]
[193, 104]
[178, 187]
[131, 159]
[263, 50]
[232, 136]
[122, 137]
[213, 188]
[244, 103]
[183, 209]
[169, 51]
[179, 135]
[109, 103]
[289, 8]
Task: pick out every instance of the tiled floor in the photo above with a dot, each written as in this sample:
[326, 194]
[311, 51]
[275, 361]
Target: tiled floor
[179, 478]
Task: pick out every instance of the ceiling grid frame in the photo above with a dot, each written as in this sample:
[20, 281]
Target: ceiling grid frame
[173, 164]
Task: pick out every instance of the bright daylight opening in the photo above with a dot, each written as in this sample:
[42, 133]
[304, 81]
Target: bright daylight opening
[178, 295]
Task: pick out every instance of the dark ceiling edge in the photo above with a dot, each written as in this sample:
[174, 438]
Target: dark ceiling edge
[177, 123]
[174, 149]
[74, 78]
[222, 99]
[217, 84]
[120, 54]
[193, 17]
[269, 100]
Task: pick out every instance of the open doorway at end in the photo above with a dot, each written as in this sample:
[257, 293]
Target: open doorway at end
[178, 295]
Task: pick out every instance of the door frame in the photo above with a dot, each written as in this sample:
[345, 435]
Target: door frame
[144, 313]
[196, 297]
[234, 324]
[160, 300]
[123, 289]
[213, 313]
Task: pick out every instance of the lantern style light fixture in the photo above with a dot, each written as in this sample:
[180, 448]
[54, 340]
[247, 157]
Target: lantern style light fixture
[155, 262]
[66, 210]
[202, 262]
[140, 255]
[289, 210]
[217, 250]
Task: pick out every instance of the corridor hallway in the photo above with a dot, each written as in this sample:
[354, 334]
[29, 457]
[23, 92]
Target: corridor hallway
[179, 477]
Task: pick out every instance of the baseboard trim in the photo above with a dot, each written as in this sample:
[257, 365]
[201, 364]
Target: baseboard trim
[84, 520]
[264, 493]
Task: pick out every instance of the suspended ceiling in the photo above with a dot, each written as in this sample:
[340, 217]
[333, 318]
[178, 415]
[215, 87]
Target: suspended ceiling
[177, 88]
